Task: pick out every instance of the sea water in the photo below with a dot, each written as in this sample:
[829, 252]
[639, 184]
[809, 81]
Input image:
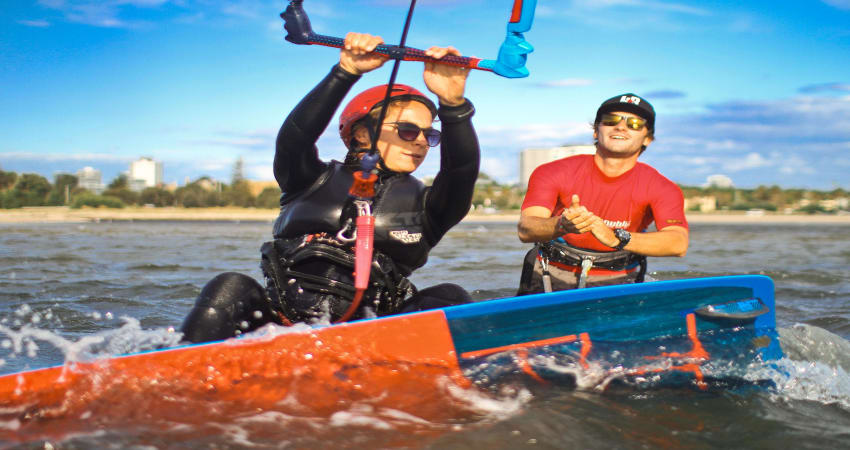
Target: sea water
[72, 292]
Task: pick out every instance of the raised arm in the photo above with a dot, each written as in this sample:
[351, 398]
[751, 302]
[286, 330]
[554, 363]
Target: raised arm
[450, 196]
[296, 159]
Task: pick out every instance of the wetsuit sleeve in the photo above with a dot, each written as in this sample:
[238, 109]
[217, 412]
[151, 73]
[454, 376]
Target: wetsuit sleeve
[296, 158]
[668, 206]
[450, 196]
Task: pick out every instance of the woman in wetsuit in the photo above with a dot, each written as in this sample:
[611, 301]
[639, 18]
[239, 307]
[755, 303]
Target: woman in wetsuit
[308, 266]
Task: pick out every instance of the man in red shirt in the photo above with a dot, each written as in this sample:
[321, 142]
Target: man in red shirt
[589, 214]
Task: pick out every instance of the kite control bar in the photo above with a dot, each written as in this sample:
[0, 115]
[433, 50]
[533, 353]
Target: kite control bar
[510, 63]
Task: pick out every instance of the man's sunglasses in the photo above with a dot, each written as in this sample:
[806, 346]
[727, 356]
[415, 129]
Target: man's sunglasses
[410, 131]
[635, 123]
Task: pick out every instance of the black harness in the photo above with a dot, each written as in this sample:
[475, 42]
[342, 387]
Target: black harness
[563, 253]
[310, 277]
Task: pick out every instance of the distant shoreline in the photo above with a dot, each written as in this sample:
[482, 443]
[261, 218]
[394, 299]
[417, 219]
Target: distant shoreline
[64, 214]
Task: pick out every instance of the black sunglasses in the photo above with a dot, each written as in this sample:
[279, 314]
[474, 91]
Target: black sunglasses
[410, 131]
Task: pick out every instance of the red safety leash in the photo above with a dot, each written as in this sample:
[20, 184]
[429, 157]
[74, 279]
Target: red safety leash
[363, 249]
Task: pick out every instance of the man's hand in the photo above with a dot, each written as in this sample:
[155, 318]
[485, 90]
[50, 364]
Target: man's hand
[356, 58]
[577, 219]
[538, 225]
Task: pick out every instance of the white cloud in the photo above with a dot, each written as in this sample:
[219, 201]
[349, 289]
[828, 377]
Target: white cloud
[592, 5]
[239, 143]
[35, 23]
[657, 15]
[248, 9]
[726, 144]
[122, 13]
[840, 4]
[795, 165]
[58, 157]
[240, 140]
[263, 172]
[541, 134]
[499, 168]
[567, 82]
[749, 161]
[215, 165]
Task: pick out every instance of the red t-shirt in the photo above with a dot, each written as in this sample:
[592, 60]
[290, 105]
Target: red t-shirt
[632, 200]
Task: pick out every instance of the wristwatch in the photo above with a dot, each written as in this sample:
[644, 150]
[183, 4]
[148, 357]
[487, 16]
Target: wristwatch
[624, 236]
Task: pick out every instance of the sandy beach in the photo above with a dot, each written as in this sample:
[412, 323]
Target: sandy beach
[62, 214]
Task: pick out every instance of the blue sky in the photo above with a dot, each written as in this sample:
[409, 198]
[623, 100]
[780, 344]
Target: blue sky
[758, 90]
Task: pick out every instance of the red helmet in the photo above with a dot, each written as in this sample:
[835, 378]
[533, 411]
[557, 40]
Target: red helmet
[360, 106]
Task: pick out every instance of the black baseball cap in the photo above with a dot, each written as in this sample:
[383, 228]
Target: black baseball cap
[628, 103]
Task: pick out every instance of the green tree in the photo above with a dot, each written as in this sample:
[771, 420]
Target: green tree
[239, 194]
[837, 193]
[812, 208]
[61, 183]
[269, 198]
[188, 196]
[119, 182]
[120, 188]
[195, 195]
[238, 174]
[30, 190]
[96, 201]
[7, 180]
[156, 196]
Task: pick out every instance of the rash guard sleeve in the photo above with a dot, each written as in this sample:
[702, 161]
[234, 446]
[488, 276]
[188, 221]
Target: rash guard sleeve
[296, 160]
[449, 197]
[668, 206]
[544, 189]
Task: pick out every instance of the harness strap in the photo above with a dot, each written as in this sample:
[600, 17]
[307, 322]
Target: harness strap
[586, 264]
[563, 253]
[547, 278]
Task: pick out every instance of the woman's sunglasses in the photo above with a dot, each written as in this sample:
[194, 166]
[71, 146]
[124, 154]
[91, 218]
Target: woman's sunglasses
[635, 123]
[410, 131]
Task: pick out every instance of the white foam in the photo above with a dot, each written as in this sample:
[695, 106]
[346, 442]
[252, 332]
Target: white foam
[129, 338]
[361, 415]
[812, 381]
[815, 367]
[511, 400]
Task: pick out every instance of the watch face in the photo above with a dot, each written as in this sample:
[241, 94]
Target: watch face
[624, 237]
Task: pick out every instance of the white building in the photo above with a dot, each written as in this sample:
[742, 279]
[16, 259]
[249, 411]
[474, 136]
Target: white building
[531, 158]
[144, 173]
[90, 178]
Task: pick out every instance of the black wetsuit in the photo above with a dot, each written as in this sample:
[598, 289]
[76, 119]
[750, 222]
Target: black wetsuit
[233, 303]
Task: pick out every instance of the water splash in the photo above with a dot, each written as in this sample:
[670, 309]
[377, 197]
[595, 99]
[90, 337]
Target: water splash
[24, 339]
[816, 367]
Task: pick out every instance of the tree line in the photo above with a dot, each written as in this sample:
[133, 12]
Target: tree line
[31, 189]
[491, 194]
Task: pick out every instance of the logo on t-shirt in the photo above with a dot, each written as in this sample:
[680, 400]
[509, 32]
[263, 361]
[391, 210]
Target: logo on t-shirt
[674, 221]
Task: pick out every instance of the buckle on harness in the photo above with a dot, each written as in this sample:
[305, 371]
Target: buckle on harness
[363, 209]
